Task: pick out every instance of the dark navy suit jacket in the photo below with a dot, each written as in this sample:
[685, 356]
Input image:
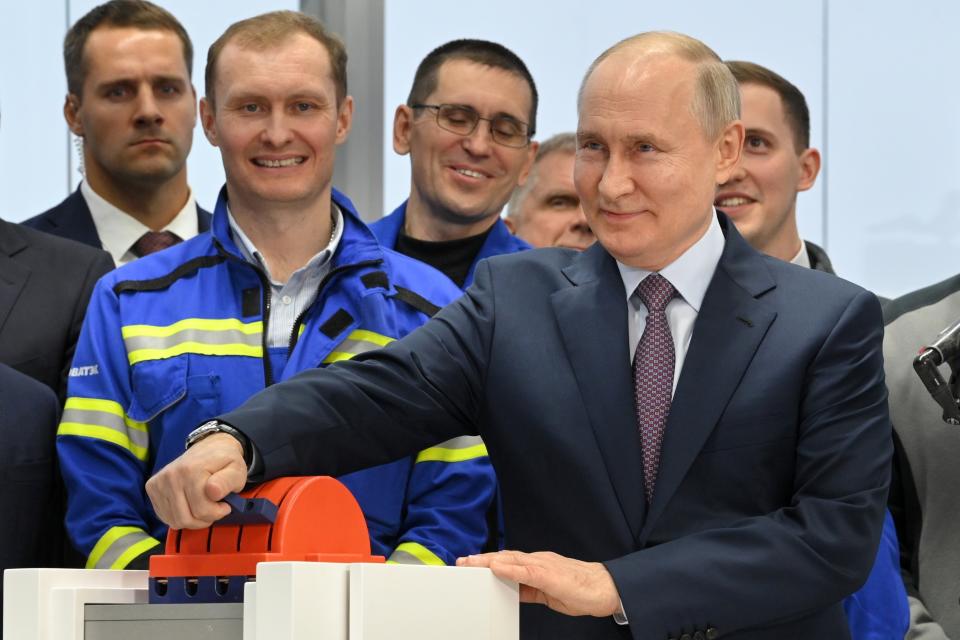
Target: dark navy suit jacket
[45, 284]
[776, 457]
[28, 423]
[71, 219]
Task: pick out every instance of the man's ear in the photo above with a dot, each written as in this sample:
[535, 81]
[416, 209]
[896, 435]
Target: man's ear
[511, 224]
[344, 119]
[729, 147]
[402, 129]
[71, 113]
[208, 121]
[528, 162]
[809, 168]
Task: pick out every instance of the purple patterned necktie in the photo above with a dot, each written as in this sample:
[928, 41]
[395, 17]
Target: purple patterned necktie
[653, 365]
[153, 241]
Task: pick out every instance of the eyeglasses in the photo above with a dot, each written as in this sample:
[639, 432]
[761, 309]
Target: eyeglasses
[462, 120]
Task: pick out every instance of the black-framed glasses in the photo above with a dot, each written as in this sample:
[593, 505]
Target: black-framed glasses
[462, 120]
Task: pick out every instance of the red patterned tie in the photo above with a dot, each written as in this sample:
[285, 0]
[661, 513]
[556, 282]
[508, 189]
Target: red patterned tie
[153, 241]
[653, 365]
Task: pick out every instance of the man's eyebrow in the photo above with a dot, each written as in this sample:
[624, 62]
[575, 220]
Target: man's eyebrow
[759, 131]
[498, 114]
[168, 80]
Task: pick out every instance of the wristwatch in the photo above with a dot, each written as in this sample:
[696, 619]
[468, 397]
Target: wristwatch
[215, 426]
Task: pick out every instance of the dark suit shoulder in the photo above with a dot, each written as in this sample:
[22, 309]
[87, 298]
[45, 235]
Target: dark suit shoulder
[51, 218]
[50, 251]
[802, 280]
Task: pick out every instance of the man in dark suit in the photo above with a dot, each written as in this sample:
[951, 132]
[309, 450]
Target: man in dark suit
[732, 485]
[28, 421]
[130, 101]
[45, 284]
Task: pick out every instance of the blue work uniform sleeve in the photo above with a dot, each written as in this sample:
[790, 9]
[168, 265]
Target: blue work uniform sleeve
[449, 493]
[880, 610]
[103, 451]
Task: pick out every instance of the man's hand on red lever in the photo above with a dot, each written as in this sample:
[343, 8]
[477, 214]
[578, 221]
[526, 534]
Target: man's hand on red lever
[187, 493]
[566, 585]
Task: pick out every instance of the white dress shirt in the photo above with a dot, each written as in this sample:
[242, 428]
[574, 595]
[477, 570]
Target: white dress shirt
[690, 275]
[293, 297]
[803, 258]
[119, 231]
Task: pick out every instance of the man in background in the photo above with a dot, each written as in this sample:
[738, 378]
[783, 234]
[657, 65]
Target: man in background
[545, 210]
[778, 163]
[131, 102]
[761, 198]
[467, 126]
[288, 279]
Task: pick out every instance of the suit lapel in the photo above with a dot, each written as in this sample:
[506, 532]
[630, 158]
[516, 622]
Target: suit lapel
[729, 328]
[13, 276]
[592, 317]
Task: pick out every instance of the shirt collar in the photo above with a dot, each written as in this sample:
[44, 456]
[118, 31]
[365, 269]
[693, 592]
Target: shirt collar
[250, 253]
[119, 231]
[691, 273]
[803, 258]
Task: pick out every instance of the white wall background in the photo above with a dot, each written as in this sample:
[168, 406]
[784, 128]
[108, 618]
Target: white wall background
[878, 77]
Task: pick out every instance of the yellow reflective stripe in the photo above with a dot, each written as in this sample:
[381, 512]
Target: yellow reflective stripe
[203, 336]
[359, 341]
[337, 356]
[127, 556]
[104, 420]
[441, 454]
[110, 538]
[94, 404]
[416, 552]
[225, 324]
[103, 433]
[370, 336]
[100, 405]
[195, 347]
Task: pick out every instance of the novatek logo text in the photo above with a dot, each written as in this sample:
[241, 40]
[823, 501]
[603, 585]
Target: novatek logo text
[89, 370]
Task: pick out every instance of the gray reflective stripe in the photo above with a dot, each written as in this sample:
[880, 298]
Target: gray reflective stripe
[356, 347]
[118, 548]
[402, 557]
[108, 421]
[202, 336]
[461, 442]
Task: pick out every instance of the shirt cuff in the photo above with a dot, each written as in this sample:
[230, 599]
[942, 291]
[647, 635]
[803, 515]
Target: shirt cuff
[620, 617]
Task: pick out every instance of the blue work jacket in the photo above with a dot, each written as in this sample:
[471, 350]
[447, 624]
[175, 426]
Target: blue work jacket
[499, 242]
[178, 337]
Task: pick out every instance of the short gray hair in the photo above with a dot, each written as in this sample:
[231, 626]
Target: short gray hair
[559, 143]
[716, 101]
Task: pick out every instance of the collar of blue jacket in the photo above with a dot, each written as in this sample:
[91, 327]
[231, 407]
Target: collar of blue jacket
[357, 244]
[499, 242]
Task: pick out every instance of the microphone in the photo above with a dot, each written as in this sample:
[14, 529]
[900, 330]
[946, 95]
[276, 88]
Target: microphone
[945, 348]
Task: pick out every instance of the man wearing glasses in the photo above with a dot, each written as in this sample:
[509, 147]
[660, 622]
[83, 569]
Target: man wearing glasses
[467, 126]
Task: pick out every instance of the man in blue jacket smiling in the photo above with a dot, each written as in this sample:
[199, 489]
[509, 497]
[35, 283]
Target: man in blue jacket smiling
[288, 279]
[467, 125]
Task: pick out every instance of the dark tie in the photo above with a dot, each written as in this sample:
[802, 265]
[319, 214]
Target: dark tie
[653, 364]
[153, 241]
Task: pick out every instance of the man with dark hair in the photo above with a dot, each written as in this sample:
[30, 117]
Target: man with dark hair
[288, 279]
[467, 126]
[545, 210]
[131, 102]
[778, 163]
[691, 438]
[761, 199]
